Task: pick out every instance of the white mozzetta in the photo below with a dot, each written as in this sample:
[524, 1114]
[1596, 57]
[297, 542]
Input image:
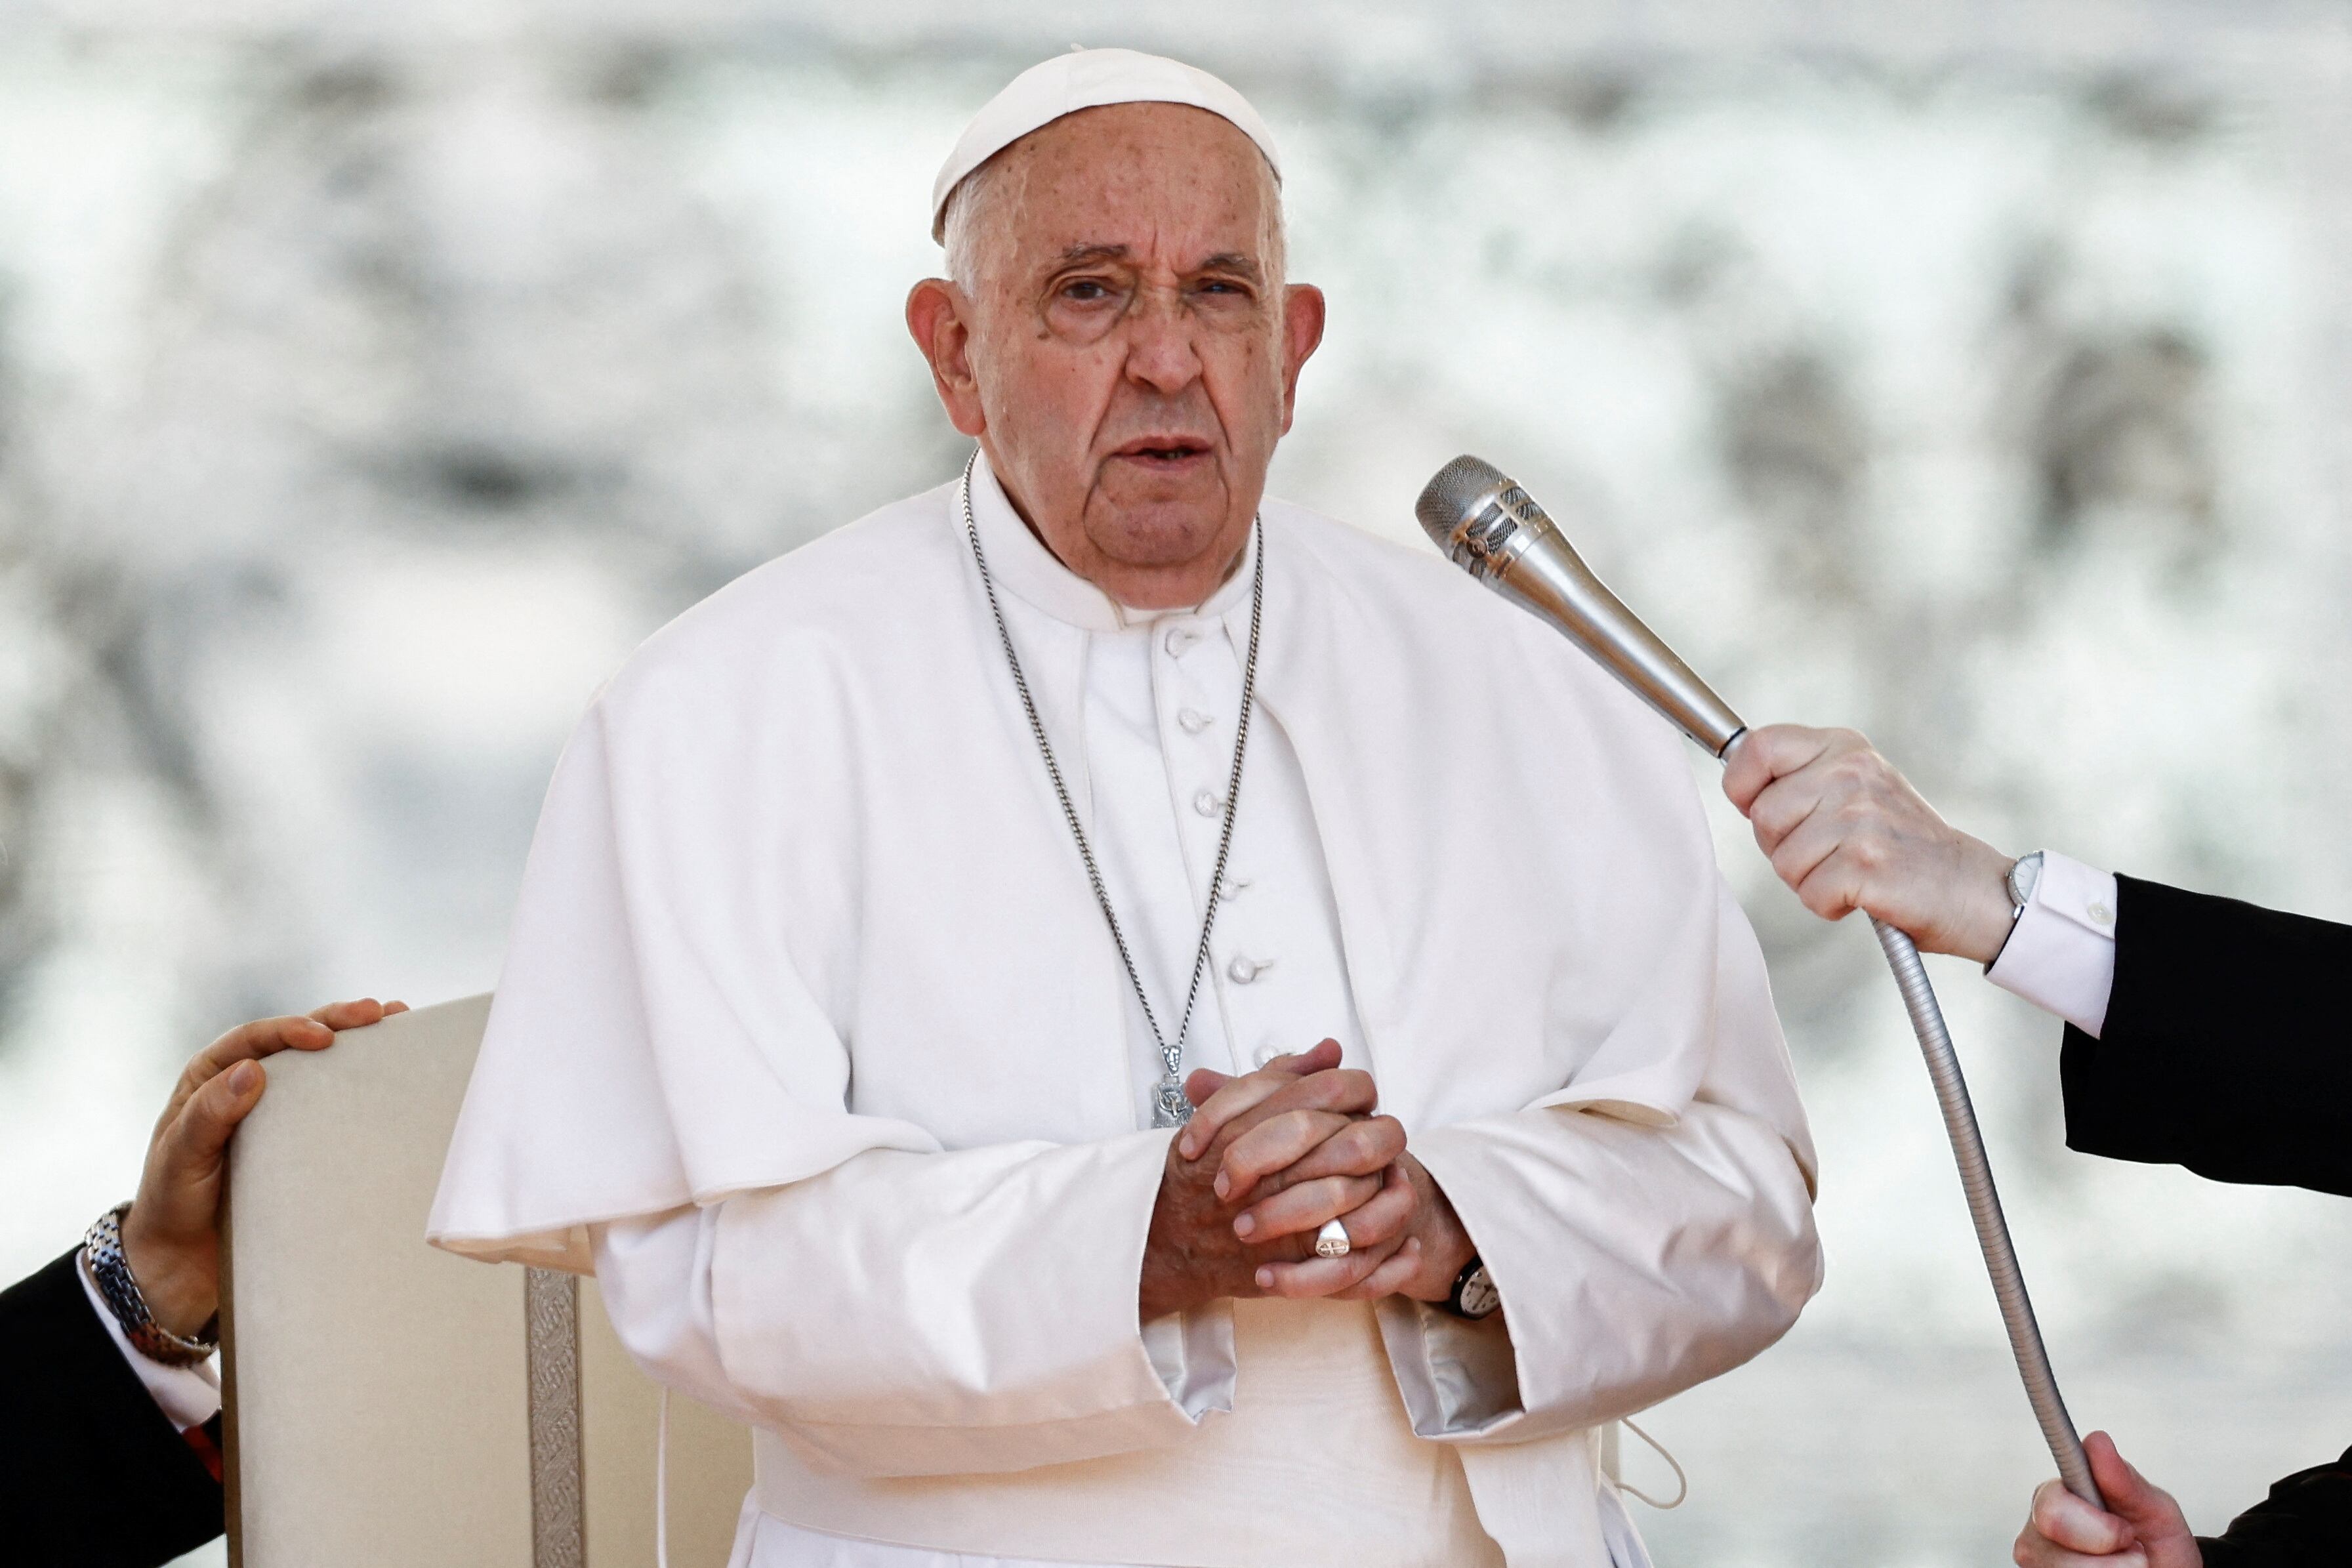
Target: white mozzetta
[810, 1013]
[2061, 955]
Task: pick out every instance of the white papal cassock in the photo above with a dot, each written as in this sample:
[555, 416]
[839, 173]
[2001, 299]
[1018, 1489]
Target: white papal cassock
[812, 1042]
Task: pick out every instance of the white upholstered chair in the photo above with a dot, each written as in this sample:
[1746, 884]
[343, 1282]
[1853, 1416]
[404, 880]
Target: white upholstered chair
[391, 1405]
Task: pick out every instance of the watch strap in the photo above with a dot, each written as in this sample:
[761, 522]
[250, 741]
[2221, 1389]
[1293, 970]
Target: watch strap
[110, 1270]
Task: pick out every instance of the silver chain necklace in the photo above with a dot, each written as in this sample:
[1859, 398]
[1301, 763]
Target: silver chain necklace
[1169, 1106]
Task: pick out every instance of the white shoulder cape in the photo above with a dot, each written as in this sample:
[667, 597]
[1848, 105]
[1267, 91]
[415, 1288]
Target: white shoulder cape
[800, 888]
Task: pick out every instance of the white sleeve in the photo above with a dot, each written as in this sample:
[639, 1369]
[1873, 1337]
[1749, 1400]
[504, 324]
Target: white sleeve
[925, 1314]
[654, 1273]
[1636, 1254]
[187, 1395]
[1634, 1262]
[2060, 954]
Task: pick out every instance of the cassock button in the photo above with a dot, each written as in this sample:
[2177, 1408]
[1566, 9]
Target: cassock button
[1193, 721]
[1178, 640]
[1232, 886]
[2100, 914]
[1243, 969]
[1208, 803]
[1267, 1053]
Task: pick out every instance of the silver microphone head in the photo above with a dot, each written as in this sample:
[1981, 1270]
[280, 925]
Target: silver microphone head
[1492, 529]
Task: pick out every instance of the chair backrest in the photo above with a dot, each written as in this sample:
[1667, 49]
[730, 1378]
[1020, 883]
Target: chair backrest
[389, 1404]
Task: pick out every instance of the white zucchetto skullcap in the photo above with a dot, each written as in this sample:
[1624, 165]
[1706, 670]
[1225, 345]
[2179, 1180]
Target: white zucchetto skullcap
[1088, 79]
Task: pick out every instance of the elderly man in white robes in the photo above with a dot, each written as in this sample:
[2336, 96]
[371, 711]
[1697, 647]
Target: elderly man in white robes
[893, 910]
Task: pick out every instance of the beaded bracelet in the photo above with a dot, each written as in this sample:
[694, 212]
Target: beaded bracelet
[110, 1272]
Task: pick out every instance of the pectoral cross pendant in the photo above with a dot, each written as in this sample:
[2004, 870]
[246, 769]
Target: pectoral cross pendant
[1169, 1106]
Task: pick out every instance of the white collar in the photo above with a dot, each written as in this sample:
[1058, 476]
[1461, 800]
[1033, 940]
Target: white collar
[1022, 566]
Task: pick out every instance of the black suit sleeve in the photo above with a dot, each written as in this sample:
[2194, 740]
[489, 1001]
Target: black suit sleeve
[2306, 1522]
[2225, 1047]
[91, 1473]
[2225, 1050]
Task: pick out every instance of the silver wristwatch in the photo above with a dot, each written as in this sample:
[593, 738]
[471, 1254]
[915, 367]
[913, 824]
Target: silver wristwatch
[2022, 876]
[110, 1270]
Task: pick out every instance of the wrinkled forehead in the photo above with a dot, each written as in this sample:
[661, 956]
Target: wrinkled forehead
[1161, 181]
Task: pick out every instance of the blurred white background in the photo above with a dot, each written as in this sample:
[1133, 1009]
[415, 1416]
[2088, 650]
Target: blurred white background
[372, 379]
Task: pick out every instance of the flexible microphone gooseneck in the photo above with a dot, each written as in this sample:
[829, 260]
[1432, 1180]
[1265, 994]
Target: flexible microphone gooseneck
[1492, 529]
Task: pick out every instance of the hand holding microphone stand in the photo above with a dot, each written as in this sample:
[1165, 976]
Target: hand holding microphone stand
[1490, 527]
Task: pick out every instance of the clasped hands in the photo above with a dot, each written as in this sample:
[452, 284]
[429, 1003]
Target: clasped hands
[1267, 1159]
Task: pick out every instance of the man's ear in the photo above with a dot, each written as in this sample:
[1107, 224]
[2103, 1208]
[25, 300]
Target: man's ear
[1302, 329]
[939, 318]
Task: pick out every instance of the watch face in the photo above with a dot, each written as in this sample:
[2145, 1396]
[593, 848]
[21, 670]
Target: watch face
[1479, 1297]
[2022, 876]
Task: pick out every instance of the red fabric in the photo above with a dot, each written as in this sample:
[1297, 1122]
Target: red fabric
[206, 1449]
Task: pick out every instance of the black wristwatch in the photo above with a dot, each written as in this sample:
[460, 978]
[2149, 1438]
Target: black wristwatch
[1473, 1296]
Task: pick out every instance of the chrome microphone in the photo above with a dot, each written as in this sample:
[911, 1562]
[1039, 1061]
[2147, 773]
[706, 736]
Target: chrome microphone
[1490, 527]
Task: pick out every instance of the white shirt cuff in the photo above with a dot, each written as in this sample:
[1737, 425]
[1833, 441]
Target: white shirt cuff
[1457, 1379]
[2060, 954]
[187, 1395]
[1193, 1355]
